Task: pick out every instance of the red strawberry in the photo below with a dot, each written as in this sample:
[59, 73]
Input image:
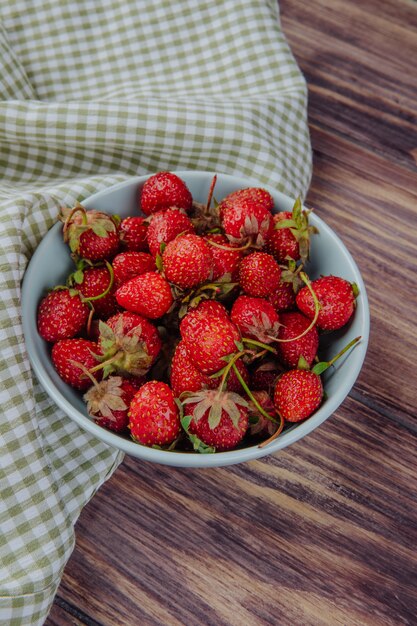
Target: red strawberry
[259, 274]
[298, 393]
[133, 231]
[65, 355]
[148, 294]
[289, 352]
[108, 401]
[165, 226]
[256, 195]
[164, 190]
[187, 261]
[61, 315]
[209, 336]
[256, 318]
[95, 282]
[247, 215]
[232, 381]
[336, 297]
[282, 243]
[265, 376]
[225, 261]
[93, 235]
[128, 264]
[258, 424]
[290, 238]
[129, 343]
[283, 299]
[218, 419]
[184, 374]
[154, 415]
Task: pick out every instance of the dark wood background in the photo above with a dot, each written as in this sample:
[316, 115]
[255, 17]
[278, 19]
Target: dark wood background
[325, 532]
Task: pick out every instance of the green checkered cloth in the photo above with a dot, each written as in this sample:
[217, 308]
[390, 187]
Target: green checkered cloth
[93, 93]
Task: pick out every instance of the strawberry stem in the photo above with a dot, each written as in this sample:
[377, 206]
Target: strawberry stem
[85, 371]
[76, 209]
[264, 346]
[107, 362]
[228, 248]
[109, 286]
[313, 321]
[322, 366]
[228, 368]
[210, 194]
[251, 396]
[276, 433]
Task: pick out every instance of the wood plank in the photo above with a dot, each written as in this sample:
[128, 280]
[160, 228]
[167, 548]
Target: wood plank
[322, 533]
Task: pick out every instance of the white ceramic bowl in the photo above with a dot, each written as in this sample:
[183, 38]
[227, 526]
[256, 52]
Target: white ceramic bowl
[51, 264]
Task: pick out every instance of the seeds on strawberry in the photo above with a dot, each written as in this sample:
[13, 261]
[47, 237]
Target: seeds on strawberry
[61, 315]
[128, 264]
[336, 298]
[164, 190]
[293, 325]
[184, 374]
[298, 393]
[165, 226]
[187, 261]
[148, 294]
[133, 231]
[95, 282]
[259, 274]
[154, 415]
[71, 356]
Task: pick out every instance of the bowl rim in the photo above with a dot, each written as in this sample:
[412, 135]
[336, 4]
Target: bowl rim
[195, 459]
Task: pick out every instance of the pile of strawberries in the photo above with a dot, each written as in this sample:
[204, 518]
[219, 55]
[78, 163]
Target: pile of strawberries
[193, 326]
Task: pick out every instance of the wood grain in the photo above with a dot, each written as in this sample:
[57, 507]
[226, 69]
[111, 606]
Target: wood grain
[324, 533]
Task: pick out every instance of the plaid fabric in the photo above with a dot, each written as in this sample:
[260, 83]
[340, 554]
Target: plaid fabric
[93, 93]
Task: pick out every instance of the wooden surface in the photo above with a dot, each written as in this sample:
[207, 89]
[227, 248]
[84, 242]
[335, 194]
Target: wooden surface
[325, 532]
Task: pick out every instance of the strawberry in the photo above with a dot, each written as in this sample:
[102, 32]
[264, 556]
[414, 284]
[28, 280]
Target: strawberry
[264, 377]
[187, 261]
[259, 274]
[108, 401]
[93, 283]
[298, 393]
[258, 424]
[283, 298]
[257, 195]
[232, 381]
[184, 374]
[256, 318]
[61, 315]
[128, 264]
[129, 343]
[164, 190]
[67, 353]
[282, 243]
[154, 416]
[133, 232]
[209, 336]
[218, 419]
[246, 215]
[290, 237]
[92, 235]
[165, 226]
[148, 294]
[336, 298]
[289, 352]
[226, 260]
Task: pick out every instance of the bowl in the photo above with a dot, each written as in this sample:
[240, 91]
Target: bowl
[51, 263]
